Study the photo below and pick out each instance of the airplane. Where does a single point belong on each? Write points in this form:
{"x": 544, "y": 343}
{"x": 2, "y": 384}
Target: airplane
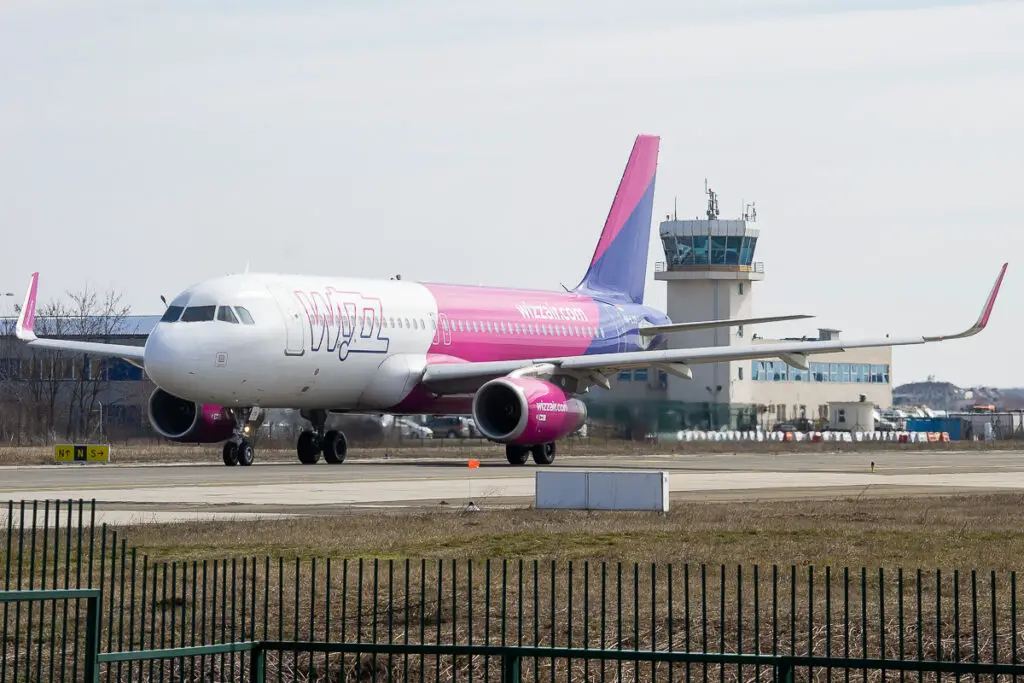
{"x": 228, "y": 348}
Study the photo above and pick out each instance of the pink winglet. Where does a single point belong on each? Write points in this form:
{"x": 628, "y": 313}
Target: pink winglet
{"x": 27, "y": 320}
{"x": 982, "y": 320}
{"x": 987, "y": 311}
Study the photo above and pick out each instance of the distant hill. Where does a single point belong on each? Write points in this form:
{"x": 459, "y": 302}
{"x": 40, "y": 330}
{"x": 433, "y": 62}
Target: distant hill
{"x": 948, "y": 396}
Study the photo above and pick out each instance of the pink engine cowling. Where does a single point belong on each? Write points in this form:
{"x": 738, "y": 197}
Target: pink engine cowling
{"x": 180, "y": 420}
{"x": 526, "y": 411}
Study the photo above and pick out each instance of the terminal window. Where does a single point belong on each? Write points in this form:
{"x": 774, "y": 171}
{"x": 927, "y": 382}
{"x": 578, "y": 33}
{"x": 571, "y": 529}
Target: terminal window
{"x": 778, "y": 371}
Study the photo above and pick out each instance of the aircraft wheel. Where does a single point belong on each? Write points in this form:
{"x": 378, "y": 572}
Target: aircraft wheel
{"x": 516, "y": 455}
{"x": 308, "y": 448}
{"x": 335, "y": 447}
{"x": 544, "y": 453}
{"x": 230, "y": 454}
{"x": 245, "y": 454}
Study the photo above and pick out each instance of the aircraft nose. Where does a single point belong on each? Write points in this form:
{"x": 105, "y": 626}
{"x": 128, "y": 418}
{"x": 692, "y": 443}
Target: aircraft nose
{"x": 170, "y": 360}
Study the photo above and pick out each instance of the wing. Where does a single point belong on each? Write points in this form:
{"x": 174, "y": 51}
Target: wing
{"x": 466, "y": 377}
{"x": 25, "y": 331}
{"x": 651, "y": 330}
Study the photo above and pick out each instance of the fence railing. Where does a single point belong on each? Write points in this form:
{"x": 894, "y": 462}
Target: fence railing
{"x": 433, "y": 619}
{"x": 782, "y": 668}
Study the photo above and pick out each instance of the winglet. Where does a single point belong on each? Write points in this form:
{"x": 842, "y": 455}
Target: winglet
{"x": 986, "y": 312}
{"x": 25, "y": 328}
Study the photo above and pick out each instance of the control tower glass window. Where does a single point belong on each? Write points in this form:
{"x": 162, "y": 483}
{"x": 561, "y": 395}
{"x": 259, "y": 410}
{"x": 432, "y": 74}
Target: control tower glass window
{"x": 704, "y": 250}
{"x": 747, "y": 250}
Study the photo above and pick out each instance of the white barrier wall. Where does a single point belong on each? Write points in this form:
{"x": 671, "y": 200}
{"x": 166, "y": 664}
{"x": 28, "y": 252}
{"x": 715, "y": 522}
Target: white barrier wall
{"x": 902, "y": 437}
{"x": 632, "y": 490}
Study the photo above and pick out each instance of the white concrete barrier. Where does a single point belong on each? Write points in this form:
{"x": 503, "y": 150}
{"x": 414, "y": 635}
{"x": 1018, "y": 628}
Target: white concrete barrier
{"x": 693, "y": 435}
{"x": 631, "y": 490}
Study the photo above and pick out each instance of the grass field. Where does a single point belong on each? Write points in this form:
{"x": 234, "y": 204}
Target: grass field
{"x": 978, "y": 531}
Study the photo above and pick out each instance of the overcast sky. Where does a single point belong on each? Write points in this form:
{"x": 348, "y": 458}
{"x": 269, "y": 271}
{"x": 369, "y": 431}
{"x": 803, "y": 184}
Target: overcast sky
{"x": 148, "y": 146}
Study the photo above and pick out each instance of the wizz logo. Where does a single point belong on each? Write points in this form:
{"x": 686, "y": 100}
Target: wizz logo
{"x": 344, "y": 322}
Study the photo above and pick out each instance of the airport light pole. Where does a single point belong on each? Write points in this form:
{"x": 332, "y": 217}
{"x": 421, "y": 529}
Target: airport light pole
{"x": 3, "y": 298}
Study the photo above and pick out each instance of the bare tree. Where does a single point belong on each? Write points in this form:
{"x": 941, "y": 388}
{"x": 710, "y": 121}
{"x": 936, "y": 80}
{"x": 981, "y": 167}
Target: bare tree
{"x": 98, "y": 320}
{"x": 44, "y": 373}
{"x": 58, "y": 391}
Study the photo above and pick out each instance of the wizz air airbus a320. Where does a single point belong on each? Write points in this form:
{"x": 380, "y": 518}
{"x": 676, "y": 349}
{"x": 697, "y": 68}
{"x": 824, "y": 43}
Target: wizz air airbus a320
{"x": 231, "y": 347}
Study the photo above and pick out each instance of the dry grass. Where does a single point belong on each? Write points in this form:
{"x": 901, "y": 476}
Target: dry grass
{"x": 621, "y": 562}
{"x": 985, "y": 531}
{"x": 473, "y": 448}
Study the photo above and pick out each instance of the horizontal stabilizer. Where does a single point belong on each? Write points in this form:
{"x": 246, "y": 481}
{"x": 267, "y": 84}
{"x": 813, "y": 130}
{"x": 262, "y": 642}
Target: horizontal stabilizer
{"x": 652, "y": 330}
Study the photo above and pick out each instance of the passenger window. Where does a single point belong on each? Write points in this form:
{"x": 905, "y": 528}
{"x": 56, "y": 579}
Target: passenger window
{"x": 243, "y": 313}
{"x": 226, "y": 315}
{"x": 198, "y": 314}
{"x": 172, "y": 314}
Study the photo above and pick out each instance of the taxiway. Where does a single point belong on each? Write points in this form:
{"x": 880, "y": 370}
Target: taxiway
{"x": 155, "y": 492}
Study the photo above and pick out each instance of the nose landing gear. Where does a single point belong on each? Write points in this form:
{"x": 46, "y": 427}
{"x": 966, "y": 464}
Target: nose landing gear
{"x": 239, "y": 453}
{"x": 312, "y": 443}
{"x": 238, "y": 450}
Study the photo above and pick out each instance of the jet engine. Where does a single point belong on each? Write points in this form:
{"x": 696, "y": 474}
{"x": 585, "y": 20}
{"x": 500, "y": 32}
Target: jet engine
{"x": 524, "y": 411}
{"x": 188, "y": 422}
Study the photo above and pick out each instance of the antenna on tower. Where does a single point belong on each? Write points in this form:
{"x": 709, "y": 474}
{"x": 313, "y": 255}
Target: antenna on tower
{"x": 675, "y": 208}
{"x": 712, "y": 201}
{"x": 750, "y": 212}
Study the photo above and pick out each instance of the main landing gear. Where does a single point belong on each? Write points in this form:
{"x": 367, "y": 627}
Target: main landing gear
{"x": 543, "y": 453}
{"x": 312, "y": 443}
{"x": 238, "y": 450}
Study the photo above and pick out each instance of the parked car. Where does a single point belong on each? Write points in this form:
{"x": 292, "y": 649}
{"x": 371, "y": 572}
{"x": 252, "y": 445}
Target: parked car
{"x": 413, "y": 430}
{"x": 452, "y": 427}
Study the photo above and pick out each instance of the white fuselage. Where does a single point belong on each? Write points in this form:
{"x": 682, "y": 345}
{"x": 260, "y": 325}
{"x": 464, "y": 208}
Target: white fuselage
{"x": 347, "y": 350}
{"x": 300, "y": 341}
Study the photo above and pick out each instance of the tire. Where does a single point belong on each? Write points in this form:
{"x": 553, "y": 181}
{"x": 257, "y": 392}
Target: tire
{"x": 516, "y": 455}
{"x": 335, "y": 447}
{"x": 230, "y": 454}
{"x": 308, "y": 449}
{"x": 245, "y": 454}
{"x": 543, "y": 453}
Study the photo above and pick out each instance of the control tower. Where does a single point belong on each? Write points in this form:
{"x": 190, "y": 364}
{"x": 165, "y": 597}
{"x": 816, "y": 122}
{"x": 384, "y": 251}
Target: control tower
{"x": 709, "y": 271}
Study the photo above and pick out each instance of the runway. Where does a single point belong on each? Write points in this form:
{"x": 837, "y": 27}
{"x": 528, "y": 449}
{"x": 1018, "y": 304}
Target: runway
{"x": 158, "y": 493}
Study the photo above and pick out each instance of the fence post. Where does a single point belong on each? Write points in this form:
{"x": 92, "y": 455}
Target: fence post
{"x": 91, "y": 666}
{"x": 257, "y": 664}
{"x": 510, "y": 666}
{"x": 784, "y": 670}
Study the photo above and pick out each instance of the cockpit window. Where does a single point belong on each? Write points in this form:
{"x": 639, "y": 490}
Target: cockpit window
{"x": 198, "y": 314}
{"x": 226, "y": 315}
{"x": 172, "y": 314}
{"x": 243, "y": 313}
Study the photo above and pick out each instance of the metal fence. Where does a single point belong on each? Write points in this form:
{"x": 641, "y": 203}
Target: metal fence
{"x": 132, "y": 616}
